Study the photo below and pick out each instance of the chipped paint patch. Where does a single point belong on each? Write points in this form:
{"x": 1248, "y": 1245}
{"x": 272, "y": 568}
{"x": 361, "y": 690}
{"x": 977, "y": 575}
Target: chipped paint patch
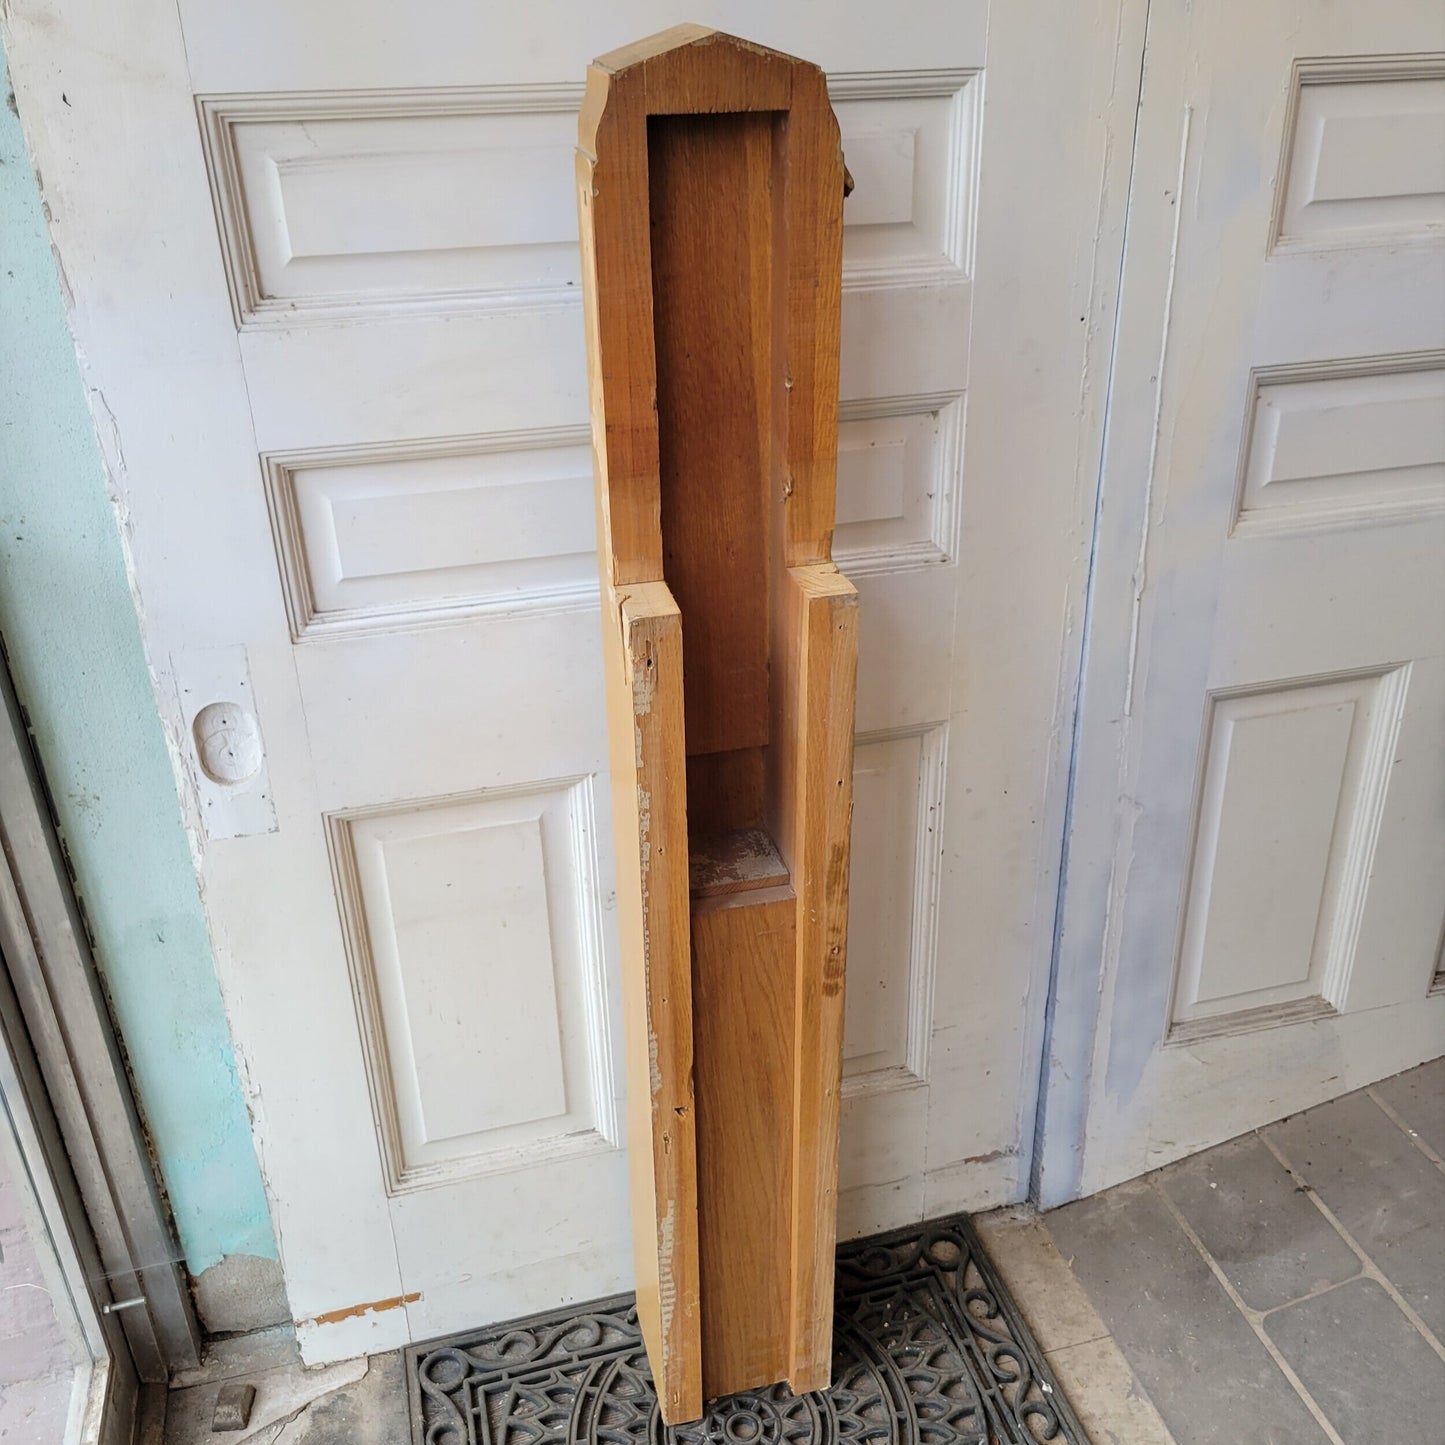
{"x": 351, "y": 1312}
{"x": 666, "y": 1275}
{"x": 991, "y": 1157}
{"x": 644, "y": 685}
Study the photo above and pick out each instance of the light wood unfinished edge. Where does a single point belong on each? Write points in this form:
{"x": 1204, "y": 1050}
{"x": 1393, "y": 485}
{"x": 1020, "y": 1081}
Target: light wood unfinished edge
{"x": 645, "y": 732}
{"x": 818, "y": 734}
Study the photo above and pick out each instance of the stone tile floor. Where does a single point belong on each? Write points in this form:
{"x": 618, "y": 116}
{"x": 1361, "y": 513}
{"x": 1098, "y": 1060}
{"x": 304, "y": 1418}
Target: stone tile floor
{"x": 1286, "y": 1288}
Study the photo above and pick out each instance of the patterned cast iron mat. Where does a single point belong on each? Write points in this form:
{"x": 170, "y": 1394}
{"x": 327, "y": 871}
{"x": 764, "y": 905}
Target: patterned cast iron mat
{"x": 928, "y": 1350}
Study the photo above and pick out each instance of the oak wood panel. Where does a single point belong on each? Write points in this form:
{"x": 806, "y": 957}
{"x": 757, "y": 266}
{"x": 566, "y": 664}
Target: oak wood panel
{"x": 725, "y": 791}
{"x": 744, "y": 949}
{"x": 712, "y": 183}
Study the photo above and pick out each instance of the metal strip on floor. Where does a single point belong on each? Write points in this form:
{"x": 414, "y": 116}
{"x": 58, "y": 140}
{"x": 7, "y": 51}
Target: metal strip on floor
{"x": 929, "y": 1349}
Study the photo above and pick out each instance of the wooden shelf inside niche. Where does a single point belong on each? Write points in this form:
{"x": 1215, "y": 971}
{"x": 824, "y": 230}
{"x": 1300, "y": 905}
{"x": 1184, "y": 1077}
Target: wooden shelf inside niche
{"x": 738, "y": 861}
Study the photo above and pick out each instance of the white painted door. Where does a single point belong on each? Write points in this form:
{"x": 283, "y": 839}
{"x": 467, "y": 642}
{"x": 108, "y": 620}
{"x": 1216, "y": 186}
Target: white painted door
{"x": 322, "y": 259}
{"x": 1256, "y": 864}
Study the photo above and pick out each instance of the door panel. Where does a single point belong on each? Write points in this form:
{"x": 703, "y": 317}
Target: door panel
{"x": 1261, "y": 781}
{"x": 447, "y": 905}
{"x": 324, "y": 276}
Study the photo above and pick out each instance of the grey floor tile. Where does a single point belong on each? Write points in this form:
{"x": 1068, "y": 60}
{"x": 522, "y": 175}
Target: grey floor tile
{"x": 1107, "y": 1396}
{"x": 1366, "y": 1365}
{"x": 1418, "y": 1097}
{"x": 1381, "y": 1188}
{"x": 1044, "y": 1287}
{"x": 1208, "y": 1374}
{"x": 1266, "y": 1234}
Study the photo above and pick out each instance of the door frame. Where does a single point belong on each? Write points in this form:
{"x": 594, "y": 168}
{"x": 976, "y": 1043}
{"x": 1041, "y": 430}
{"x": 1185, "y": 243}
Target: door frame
{"x": 1105, "y": 40}
{"x": 1099, "y": 816}
{"x": 76, "y": 1096}
{"x": 1096, "y": 670}
{"x": 34, "y": 1153}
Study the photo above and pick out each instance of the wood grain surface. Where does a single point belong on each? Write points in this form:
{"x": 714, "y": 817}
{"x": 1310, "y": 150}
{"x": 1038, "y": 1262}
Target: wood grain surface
{"x": 710, "y": 185}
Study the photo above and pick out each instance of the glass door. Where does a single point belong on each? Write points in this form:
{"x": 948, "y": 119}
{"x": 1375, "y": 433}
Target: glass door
{"x": 66, "y": 1375}
{"x": 94, "y": 1310}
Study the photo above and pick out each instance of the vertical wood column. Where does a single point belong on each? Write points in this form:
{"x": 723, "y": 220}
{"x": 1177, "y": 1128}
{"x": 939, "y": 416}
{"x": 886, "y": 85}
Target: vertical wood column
{"x": 710, "y": 186}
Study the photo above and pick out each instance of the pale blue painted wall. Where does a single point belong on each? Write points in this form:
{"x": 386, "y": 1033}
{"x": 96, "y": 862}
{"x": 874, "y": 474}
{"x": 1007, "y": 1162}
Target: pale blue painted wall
{"x": 70, "y": 627}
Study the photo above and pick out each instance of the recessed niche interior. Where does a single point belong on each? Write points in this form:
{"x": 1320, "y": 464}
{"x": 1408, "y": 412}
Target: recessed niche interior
{"x": 713, "y": 182}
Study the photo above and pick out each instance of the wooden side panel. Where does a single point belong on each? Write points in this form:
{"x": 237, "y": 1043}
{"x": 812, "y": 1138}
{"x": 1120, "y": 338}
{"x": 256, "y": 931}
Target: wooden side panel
{"x": 617, "y": 303}
{"x": 813, "y": 230}
{"x": 817, "y": 737}
{"x": 743, "y": 997}
{"x": 643, "y": 631}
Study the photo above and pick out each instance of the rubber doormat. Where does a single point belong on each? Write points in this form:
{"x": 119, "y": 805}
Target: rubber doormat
{"x": 928, "y": 1350}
